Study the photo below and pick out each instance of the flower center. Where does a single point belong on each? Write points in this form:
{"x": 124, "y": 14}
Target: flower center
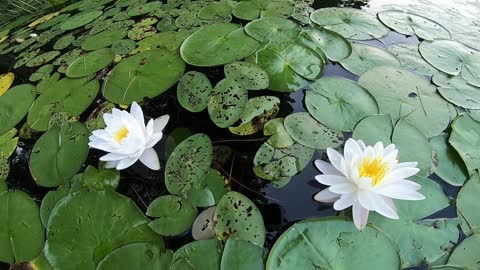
{"x": 120, "y": 134}
{"x": 375, "y": 169}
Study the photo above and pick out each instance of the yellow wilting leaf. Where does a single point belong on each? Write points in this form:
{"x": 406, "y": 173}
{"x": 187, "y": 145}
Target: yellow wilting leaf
{"x": 43, "y": 19}
{"x": 6, "y": 81}
{"x": 2, "y": 39}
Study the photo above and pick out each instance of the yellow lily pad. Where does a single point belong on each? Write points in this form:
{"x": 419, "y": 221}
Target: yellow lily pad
{"x": 6, "y": 81}
{"x": 43, "y": 19}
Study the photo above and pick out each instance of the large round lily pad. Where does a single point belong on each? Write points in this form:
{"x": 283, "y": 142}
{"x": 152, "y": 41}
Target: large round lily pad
{"x": 217, "y": 44}
{"x": 59, "y": 154}
{"x": 467, "y": 254}
{"x": 229, "y": 98}
{"x": 21, "y": 232}
{"x": 339, "y": 103}
{"x": 465, "y": 138}
{"x": 332, "y": 243}
{"x": 373, "y": 129}
{"x": 194, "y": 91}
{"x": 457, "y": 91}
{"x": 80, "y": 20}
{"x": 273, "y": 29}
{"x": 174, "y": 215}
{"x": 237, "y": 217}
{"x": 197, "y": 255}
{"x": 467, "y": 206}
{"x": 188, "y": 164}
{"x": 242, "y": 255}
{"x": 334, "y": 45}
{"x": 90, "y": 63}
{"x": 102, "y": 40}
{"x": 143, "y": 256}
{"x": 350, "y": 23}
{"x": 406, "y": 95}
{"x": 365, "y": 57}
{"x": 251, "y": 10}
{"x": 450, "y": 167}
{"x": 146, "y": 74}
{"x": 410, "y": 58}
{"x": 14, "y": 105}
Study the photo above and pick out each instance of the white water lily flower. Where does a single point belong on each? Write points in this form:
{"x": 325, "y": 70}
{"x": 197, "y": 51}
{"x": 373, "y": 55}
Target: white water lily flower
{"x": 367, "y": 178}
{"x": 128, "y": 140}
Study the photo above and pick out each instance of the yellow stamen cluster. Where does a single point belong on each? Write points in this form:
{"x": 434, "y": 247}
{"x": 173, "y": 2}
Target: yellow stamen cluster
{"x": 121, "y": 134}
{"x": 375, "y": 169}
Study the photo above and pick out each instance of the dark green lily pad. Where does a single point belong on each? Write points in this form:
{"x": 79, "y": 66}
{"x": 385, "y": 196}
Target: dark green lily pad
{"x": 258, "y": 111}
{"x": 22, "y": 236}
{"x": 53, "y": 21}
{"x": 229, "y": 99}
{"x": 14, "y": 105}
{"x": 173, "y": 215}
{"x": 467, "y": 203}
{"x": 322, "y": 40}
{"x": 145, "y": 8}
{"x": 350, "y": 23}
{"x": 50, "y": 201}
{"x": 63, "y": 42}
{"x": 237, "y": 217}
{"x": 215, "y": 11}
{"x": 217, "y": 44}
{"x": 80, "y": 20}
{"x": 102, "y": 40}
{"x": 451, "y": 167}
{"x": 365, "y": 57}
{"x": 143, "y": 256}
{"x": 273, "y": 29}
{"x": 194, "y": 91}
{"x": 4, "y": 171}
{"x": 332, "y": 243}
{"x": 307, "y": 131}
{"x": 339, "y": 103}
{"x": 124, "y": 46}
{"x": 197, "y": 255}
{"x": 410, "y": 58}
{"x": 42, "y": 59}
{"x": 166, "y": 40}
{"x": 91, "y": 63}
{"x": 146, "y": 74}
{"x": 188, "y": 164}
{"x": 457, "y": 91}
{"x": 465, "y": 138}
{"x": 8, "y": 143}
{"x": 41, "y": 73}
{"x": 210, "y": 190}
{"x": 101, "y": 178}
{"x": 242, "y": 255}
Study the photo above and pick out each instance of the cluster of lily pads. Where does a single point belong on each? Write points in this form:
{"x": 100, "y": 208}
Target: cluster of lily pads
{"x": 424, "y": 98}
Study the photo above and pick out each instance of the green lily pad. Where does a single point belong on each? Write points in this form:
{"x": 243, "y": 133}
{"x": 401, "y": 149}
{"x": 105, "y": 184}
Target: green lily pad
{"x": 453, "y": 58}
{"x": 365, "y": 57}
{"x": 63, "y": 42}
{"x": 41, "y": 73}
{"x": 50, "y": 201}
{"x": 143, "y": 256}
{"x": 141, "y": 32}
{"x": 103, "y": 40}
{"x": 248, "y": 74}
{"x": 54, "y": 21}
{"x": 141, "y": 9}
{"x": 25, "y": 58}
{"x": 80, "y": 20}
{"x": 166, "y": 24}
{"x": 467, "y": 202}
{"x": 451, "y": 167}
{"x": 166, "y": 40}
{"x": 413, "y": 146}
{"x": 14, "y": 105}
{"x": 194, "y": 91}
{"x": 4, "y": 187}
{"x": 214, "y": 11}
{"x": 339, "y": 103}
{"x": 42, "y": 59}
{"x": 101, "y": 178}
{"x": 124, "y": 46}
{"x": 146, "y": 22}
{"x": 410, "y": 58}
{"x": 406, "y": 95}
{"x": 411, "y": 24}
{"x": 279, "y": 137}
{"x": 350, "y": 23}
{"x": 322, "y": 40}
{"x": 22, "y": 236}
{"x": 209, "y": 191}
{"x": 91, "y": 63}
{"x": 79, "y": 223}
{"x": 8, "y": 144}
{"x": 229, "y": 99}
{"x": 174, "y": 215}
{"x": 146, "y": 74}
{"x": 465, "y": 138}
{"x": 188, "y": 164}
{"x": 273, "y": 29}
{"x": 4, "y": 170}
{"x": 307, "y": 131}
{"x": 373, "y": 129}
{"x": 217, "y": 44}
{"x": 59, "y": 154}
{"x": 332, "y": 243}
{"x": 420, "y": 241}
{"x": 457, "y": 91}
{"x": 258, "y": 111}
{"x": 237, "y": 217}
{"x": 466, "y": 255}
{"x": 197, "y": 255}
{"x": 242, "y": 255}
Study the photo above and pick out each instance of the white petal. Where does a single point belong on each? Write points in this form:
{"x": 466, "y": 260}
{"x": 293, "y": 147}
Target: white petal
{"x": 125, "y": 163}
{"x": 387, "y": 209}
{"x": 401, "y": 173}
{"x": 360, "y": 216}
{"x": 369, "y": 199}
{"x": 343, "y": 188}
{"x": 335, "y": 158}
{"x": 400, "y": 192}
{"x": 150, "y": 159}
{"x": 107, "y": 147}
{"x": 111, "y": 164}
{"x": 352, "y": 150}
{"x": 112, "y": 157}
{"x": 378, "y": 149}
{"x": 331, "y": 179}
{"x": 153, "y": 140}
{"x": 149, "y": 129}
{"x": 406, "y": 164}
{"x": 361, "y": 144}
{"x": 102, "y": 134}
{"x": 326, "y": 196}
{"x": 136, "y": 111}
{"x": 345, "y": 201}
{"x": 160, "y": 123}
{"x": 326, "y": 168}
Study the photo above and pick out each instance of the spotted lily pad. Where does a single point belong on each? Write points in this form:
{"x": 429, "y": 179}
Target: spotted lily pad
{"x": 203, "y": 227}
{"x": 194, "y": 91}
{"x": 63, "y": 42}
{"x": 4, "y": 171}
{"x": 146, "y": 74}
{"x": 188, "y": 164}
{"x": 173, "y": 215}
{"x": 350, "y": 23}
{"x": 42, "y": 59}
{"x": 467, "y": 206}
{"x": 229, "y": 99}
{"x": 14, "y": 105}
{"x": 248, "y": 74}
{"x": 80, "y": 20}
{"x": 339, "y": 103}
{"x": 365, "y": 57}
{"x": 258, "y": 111}
{"x": 102, "y": 40}
{"x": 279, "y": 137}
{"x": 322, "y": 40}
{"x": 209, "y": 191}
{"x": 91, "y": 63}
{"x": 237, "y": 217}
{"x": 141, "y": 32}
{"x": 457, "y": 91}
{"x": 215, "y": 10}
{"x": 410, "y": 58}
{"x": 144, "y": 256}
{"x": 124, "y": 46}
{"x": 465, "y": 138}
{"x": 197, "y": 255}
{"x": 273, "y": 29}
{"x": 101, "y": 178}
{"x": 145, "y": 8}
{"x": 217, "y": 44}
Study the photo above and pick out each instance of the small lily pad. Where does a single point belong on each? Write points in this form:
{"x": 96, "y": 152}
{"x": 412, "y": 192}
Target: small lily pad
{"x": 279, "y": 137}
{"x": 101, "y": 178}
{"x": 124, "y": 46}
{"x": 197, "y": 255}
{"x": 90, "y": 63}
{"x": 173, "y": 215}
{"x": 8, "y": 143}
{"x": 251, "y": 10}
{"x": 194, "y": 91}
{"x": 332, "y": 44}
{"x": 248, "y": 74}
{"x": 102, "y": 40}
{"x": 80, "y": 20}
{"x": 141, "y": 32}
{"x": 50, "y": 201}
{"x": 373, "y": 129}
{"x": 451, "y": 167}
{"x": 229, "y": 99}
{"x": 14, "y": 105}
{"x": 42, "y": 59}
{"x": 6, "y": 81}
{"x": 365, "y": 57}
{"x": 63, "y": 42}
{"x": 203, "y": 227}
{"x": 41, "y": 73}
{"x": 466, "y": 255}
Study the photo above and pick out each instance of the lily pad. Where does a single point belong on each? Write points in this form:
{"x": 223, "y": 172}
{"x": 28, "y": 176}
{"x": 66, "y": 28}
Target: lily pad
{"x": 215, "y": 10}
{"x": 197, "y": 255}
{"x": 406, "y": 95}
{"x": 22, "y": 236}
{"x": 241, "y": 255}
{"x": 229, "y": 99}
{"x": 41, "y": 73}
{"x": 279, "y": 137}
{"x": 8, "y": 144}
{"x": 237, "y": 217}
{"x": 217, "y": 44}
{"x": 339, "y": 103}
{"x": 80, "y": 20}
{"x": 146, "y": 74}
{"x": 332, "y": 243}
{"x": 101, "y": 178}
{"x": 457, "y": 91}
{"x": 103, "y": 40}
{"x": 63, "y": 42}
{"x": 465, "y": 138}
{"x": 453, "y": 58}
{"x": 350, "y": 23}
{"x": 273, "y": 29}
{"x": 6, "y": 81}
{"x": 203, "y": 227}
{"x": 14, "y": 105}
{"x": 194, "y": 91}
{"x": 251, "y": 10}
{"x": 188, "y": 164}
{"x": 90, "y": 63}
{"x": 42, "y": 59}
{"x": 258, "y": 111}
{"x": 451, "y": 167}
{"x": 332, "y": 44}
{"x": 4, "y": 171}
{"x": 174, "y": 215}
{"x": 308, "y": 132}
{"x": 410, "y": 58}
{"x": 365, "y": 57}
{"x": 50, "y": 201}
{"x": 143, "y": 256}
{"x": 209, "y": 191}
{"x": 124, "y": 46}
{"x": 467, "y": 202}
{"x": 373, "y": 129}
{"x": 166, "y": 40}
{"x": 466, "y": 255}
{"x": 411, "y": 24}
{"x": 248, "y": 74}
{"x": 141, "y": 32}
{"x": 140, "y": 9}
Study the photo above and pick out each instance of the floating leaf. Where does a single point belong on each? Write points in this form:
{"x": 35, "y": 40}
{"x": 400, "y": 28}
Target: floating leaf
{"x": 203, "y": 227}
{"x": 209, "y": 191}
{"x": 410, "y": 58}
{"x": 14, "y": 105}
{"x": 63, "y": 42}
{"x": 124, "y": 46}
{"x": 451, "y": 167}
{"x": 237, "y": 217}
{"x": 80, "y": 20}
{"x": 248, "y": 74}
{"x": 339, "y": 103}
{"x": 143, "y": 256}
{"x": 197, "y": 255}
{"x": 457, "y": 91}
{"x": 465, "y": 138}
{"x": 174, "y": 215}
{"x": 251, "y": 10}
{"x": 258, "y": 111}
{"x": 41, "y": 73}
{"x": 322, "y": 40}
{"x": 146, "y": 74}
{"x": 22, "y": 236}
{"x": 90, "y": 63}
{"x": 373, "y": 129}
{"x": 467, "y": 203}
{"x": 332, "y": 243}
{"x": 4, "y": 171}
{"x": 6, "y": 81}
{"x": 50, "y": 201}
{"x": 101, "y": 178}
{"x": 145, "y": 8}
{"x": 8, "y": 144}
{"x": 188, "y": 164}
{"x": 42, "y": 59}
{"x": 141, "y": 32}
{"x": 241, "y": 255}
{"x": 273, "y": 29}
{"x": 194, "y": 91}
{"x": 279, "y": 137}
{"x": 166, "y": 40}
{"x": 229, "y": 99}
{"x": 215, "y": 10}
{"x": 466, "y": 255}
{"x": 102, "y": 40}
{"x": 365, "y": 57}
